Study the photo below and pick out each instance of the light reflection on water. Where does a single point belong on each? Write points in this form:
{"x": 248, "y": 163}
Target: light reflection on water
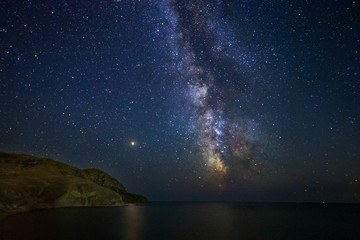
{"x": 135, "y": 221}
{"x": 177, "y": 221}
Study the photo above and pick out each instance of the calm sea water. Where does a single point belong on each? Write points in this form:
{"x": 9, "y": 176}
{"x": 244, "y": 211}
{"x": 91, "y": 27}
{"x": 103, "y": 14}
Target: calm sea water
{"x": 188, "y": 221}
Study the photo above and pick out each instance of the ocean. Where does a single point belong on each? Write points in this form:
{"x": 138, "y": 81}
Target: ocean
{"x": 188, "y": 220}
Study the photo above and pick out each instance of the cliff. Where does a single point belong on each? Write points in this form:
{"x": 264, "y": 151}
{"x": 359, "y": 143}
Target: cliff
{"x": 28, "y": 183}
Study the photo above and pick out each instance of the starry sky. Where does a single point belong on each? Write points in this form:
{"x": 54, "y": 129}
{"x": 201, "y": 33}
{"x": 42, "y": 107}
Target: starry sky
{"x": 189, "y": 100}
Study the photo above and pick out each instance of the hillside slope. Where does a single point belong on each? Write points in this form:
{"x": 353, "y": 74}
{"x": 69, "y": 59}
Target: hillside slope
{"x": 28, "y": 183}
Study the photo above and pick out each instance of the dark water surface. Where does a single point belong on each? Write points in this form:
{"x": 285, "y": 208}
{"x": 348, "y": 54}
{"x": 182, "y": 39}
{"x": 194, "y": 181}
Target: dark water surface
{"x": 188, "y": 221}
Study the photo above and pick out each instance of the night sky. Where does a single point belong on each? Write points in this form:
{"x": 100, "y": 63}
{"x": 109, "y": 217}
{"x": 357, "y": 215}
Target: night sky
{"x": 189, "y": 100}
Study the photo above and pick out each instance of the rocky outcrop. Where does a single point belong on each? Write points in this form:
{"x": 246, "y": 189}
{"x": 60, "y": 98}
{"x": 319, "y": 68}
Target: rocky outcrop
{"x": 28, "y": 183}
{"x": 105, "y": 180}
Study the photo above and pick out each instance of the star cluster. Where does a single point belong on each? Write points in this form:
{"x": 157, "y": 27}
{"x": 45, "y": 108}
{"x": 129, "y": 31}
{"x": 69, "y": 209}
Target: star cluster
{"x": 188, "y": 100}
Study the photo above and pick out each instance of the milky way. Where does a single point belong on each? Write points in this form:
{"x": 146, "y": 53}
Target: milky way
{"x": 198, "y": 55}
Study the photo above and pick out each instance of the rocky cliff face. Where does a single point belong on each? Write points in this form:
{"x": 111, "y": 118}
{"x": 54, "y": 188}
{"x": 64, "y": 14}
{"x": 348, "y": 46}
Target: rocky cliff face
{"x": 28, "y": 183}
